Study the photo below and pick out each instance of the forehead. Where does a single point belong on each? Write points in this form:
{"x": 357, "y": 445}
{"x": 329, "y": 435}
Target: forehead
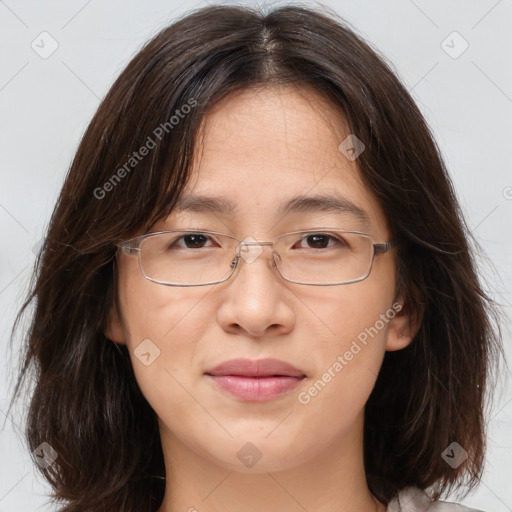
{"x": 273, "y": 152}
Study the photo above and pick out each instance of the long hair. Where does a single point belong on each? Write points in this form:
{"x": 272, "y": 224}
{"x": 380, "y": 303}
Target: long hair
{"x": 86, "y": 403}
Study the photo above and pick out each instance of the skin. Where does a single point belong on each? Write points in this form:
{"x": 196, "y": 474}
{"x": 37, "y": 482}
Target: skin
{"x": 260, "y": 148}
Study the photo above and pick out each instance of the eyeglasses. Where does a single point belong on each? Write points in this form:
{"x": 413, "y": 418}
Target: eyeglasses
{"x": 321, "y": 257}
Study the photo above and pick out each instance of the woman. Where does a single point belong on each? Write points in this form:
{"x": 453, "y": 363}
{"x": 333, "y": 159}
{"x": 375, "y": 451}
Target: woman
{"x": 256, "y": 291}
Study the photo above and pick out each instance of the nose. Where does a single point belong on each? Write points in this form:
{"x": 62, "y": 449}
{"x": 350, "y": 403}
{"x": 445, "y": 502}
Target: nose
{"x": 256, "y": 300}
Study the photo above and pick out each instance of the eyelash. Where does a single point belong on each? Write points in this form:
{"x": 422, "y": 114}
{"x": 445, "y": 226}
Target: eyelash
{"x": 336, "y": 239}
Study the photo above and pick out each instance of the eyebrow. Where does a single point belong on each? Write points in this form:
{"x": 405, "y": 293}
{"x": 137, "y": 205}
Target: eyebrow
{"x": 299, "y": 204}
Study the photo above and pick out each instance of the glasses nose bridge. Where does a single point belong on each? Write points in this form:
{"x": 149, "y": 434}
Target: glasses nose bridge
{"x": 254, "y": 243}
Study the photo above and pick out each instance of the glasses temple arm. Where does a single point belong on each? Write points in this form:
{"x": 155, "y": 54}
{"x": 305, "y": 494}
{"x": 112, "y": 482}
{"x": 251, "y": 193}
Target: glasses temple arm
{"x": 385, "y": 247}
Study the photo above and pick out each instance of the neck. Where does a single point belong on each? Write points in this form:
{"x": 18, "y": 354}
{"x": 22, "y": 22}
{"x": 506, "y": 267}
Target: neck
{"x": 333, "y": 480}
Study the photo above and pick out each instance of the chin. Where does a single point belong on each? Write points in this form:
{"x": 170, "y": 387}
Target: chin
{"x": 253, "y": 454}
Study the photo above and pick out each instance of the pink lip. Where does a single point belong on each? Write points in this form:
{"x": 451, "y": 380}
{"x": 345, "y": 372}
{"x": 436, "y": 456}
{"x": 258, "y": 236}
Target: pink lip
{"x": 256, "y": 380}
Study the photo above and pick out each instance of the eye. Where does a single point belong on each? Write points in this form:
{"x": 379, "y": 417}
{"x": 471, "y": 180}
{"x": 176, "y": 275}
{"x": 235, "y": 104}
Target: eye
{"x": 191, "y": 241}
{"x": 321, "y": 241}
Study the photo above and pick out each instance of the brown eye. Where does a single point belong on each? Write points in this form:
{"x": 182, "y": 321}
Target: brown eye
{"x": 320, "y": 241}
{"x": 189, "y": 241}
{"x": 193, "y": 241}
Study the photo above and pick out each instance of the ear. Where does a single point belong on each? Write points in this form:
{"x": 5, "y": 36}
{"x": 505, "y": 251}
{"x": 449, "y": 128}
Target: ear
{"x": 406, "y": 323}
{"x": 114, "y": 330}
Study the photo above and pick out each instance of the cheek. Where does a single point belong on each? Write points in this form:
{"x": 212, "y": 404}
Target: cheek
{"x": 355, "y": 320}
{"x": 164, "y": 326}
{"x": 341, "y": 314}
{"x": 158, "y": 312}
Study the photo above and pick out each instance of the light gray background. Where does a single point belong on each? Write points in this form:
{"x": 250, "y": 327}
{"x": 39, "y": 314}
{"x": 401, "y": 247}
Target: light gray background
{"x": 46, "y": 104}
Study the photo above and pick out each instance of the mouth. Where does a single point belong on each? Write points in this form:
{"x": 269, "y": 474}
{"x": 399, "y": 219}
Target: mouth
{"x": 255, "y": 380}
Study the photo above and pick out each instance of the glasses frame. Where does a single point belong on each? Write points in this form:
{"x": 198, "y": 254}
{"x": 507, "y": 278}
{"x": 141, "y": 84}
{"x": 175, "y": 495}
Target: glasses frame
{"x": 132, "y": 246}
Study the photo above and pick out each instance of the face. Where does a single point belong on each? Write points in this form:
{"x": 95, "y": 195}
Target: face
{"x": 259, "y": 150}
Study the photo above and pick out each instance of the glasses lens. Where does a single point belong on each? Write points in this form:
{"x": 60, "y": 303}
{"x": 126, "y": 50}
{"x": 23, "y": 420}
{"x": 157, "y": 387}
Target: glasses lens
{"x": 330, "y": 257}
{"x": 186, "y": 258}
{"x": 309, "y": 257}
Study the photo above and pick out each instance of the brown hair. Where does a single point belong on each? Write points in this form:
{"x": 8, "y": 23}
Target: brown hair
{"x": 86, "y": 403}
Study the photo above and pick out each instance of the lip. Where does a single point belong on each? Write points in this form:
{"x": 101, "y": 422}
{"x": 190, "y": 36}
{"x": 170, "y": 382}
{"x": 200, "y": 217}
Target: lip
{"x": 256, "y": 380}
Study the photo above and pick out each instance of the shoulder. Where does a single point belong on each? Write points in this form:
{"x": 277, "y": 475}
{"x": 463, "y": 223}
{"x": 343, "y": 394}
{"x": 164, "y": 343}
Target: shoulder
{"x": 413, "y": 499}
